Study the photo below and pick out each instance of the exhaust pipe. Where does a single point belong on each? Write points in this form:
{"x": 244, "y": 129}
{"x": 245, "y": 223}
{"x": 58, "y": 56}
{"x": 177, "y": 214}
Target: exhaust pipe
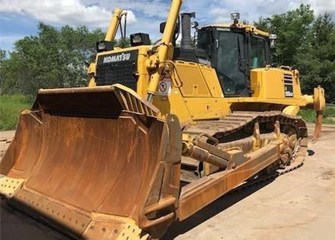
{"x": 186, "y": 30}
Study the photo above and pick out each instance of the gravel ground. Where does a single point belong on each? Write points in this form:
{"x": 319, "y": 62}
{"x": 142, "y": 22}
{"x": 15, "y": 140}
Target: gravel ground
{"x": 298, "y": 205}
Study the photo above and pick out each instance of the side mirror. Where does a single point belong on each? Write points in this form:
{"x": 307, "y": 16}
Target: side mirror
{"x": 162, "y": 27}
{"x": 195, "y": 25}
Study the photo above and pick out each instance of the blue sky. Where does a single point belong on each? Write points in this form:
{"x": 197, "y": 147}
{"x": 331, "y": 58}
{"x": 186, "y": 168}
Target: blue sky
{"x": 19, "y": 18}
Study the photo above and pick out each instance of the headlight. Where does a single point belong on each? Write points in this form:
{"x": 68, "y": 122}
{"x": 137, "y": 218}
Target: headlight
{"x": 138, "y": 39}
{"x": 103, "y": 46}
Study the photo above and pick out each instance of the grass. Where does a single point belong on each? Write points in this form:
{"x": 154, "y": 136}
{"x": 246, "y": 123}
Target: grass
{"x": 10, "y": 108}
{"x": 328, "y": 115}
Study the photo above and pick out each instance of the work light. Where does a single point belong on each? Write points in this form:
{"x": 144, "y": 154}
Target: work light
{"x": 138, "y": 39}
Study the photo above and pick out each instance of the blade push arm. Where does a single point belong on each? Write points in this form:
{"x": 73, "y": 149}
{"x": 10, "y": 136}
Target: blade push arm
{"x": 114, "y": 24}
{"x": 157, "y": 61}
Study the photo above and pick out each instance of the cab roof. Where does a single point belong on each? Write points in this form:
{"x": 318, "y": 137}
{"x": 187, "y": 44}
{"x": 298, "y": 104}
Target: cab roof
{"x": 246, "y": 27}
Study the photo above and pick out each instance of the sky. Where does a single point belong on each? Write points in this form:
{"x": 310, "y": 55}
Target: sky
{"x": 19, "y": 18}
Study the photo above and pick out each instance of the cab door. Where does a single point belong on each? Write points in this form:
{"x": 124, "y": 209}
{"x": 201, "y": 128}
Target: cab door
{"x": 232, "y": 62}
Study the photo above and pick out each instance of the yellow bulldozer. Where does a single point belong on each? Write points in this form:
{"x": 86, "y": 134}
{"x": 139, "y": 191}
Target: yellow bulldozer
{"x": 161, "y": 131}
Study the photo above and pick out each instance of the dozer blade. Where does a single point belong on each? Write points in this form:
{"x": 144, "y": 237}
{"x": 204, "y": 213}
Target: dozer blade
{"x": 95, "y": 163}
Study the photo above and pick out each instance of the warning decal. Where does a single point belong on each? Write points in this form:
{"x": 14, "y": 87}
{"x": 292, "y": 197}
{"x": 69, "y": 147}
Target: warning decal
{"x": 164, "y": 87}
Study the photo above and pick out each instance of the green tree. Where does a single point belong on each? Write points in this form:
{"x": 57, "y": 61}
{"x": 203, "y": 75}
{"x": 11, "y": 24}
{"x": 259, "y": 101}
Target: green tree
{"x": 122, "y": 43}
{"x": 293, "y": 33}
{"x": 307, "y": 44}
{"x": 2, "y": 59}
{"x": 317, "y": 63}
{"x": 52, "y": 59}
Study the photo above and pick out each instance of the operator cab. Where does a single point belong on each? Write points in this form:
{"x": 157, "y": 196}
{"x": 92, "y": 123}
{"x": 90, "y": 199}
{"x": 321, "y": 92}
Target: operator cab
{"x": 233, "y": 51}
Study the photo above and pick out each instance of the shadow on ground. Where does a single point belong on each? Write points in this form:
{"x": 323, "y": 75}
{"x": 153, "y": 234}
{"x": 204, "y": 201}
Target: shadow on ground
{"x": 15, "y": 225}
{"x": 211, "y": 210}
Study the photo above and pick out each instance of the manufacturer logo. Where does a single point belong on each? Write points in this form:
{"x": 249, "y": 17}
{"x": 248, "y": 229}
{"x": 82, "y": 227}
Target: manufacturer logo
{"x": 117, "y": 58}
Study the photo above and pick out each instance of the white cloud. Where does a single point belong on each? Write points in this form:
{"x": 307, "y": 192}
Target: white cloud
{"x": 72, "y": 12}
{"x": 219, "y": 11}
{"x": 147, "y": 8}
{"x": 10, "y": 38}
{"x": 7, "y": 42}
{"x": 145, "y": 15}
{"x": 96, "y": 13}
{"x": 321, "y": 6}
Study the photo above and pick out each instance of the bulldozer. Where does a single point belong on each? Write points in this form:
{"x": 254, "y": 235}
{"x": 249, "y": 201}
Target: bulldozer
{"x": 160, "y": 132}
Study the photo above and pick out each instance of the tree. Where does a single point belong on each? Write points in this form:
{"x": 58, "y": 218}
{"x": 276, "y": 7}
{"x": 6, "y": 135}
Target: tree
{"x": 317, "y": 64}
{"x": 293, "y": 33}
{"x": 52, "y": 59}
{"x": 122, "y": 43}
{"x": 2, "y": 59}
{"x": 307, "y": 44}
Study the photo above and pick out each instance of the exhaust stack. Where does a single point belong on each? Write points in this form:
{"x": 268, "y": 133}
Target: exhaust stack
{"x": 186, "y": 30}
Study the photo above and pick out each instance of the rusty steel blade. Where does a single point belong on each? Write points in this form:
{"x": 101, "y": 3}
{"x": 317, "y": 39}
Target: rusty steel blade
{"x": 86, "y": 161}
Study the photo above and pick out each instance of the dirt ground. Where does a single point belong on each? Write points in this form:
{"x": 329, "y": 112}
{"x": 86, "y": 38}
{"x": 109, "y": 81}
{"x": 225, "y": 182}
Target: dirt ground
{"x": 297, "y": 205}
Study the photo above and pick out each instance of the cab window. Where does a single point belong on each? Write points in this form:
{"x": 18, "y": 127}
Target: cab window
{"x": 204, "y": 41}
{"x": 258, "y": 52}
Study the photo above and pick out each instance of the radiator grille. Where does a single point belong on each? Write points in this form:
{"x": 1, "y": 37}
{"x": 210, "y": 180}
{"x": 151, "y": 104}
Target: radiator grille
{"x": 288, "y": 85}
{"x": 117, "y": 68}
{"x": 288, "y": 79}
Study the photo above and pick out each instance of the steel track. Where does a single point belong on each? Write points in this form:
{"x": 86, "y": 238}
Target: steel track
{"x": 236, "y": 122}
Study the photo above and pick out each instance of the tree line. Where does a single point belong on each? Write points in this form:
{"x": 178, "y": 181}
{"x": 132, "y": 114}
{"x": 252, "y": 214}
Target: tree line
{"x": 305, "y": 42}
{"x": 51, "y": 59}
{"x": 54, "y": 58}
{"x": 58, "y": 57}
